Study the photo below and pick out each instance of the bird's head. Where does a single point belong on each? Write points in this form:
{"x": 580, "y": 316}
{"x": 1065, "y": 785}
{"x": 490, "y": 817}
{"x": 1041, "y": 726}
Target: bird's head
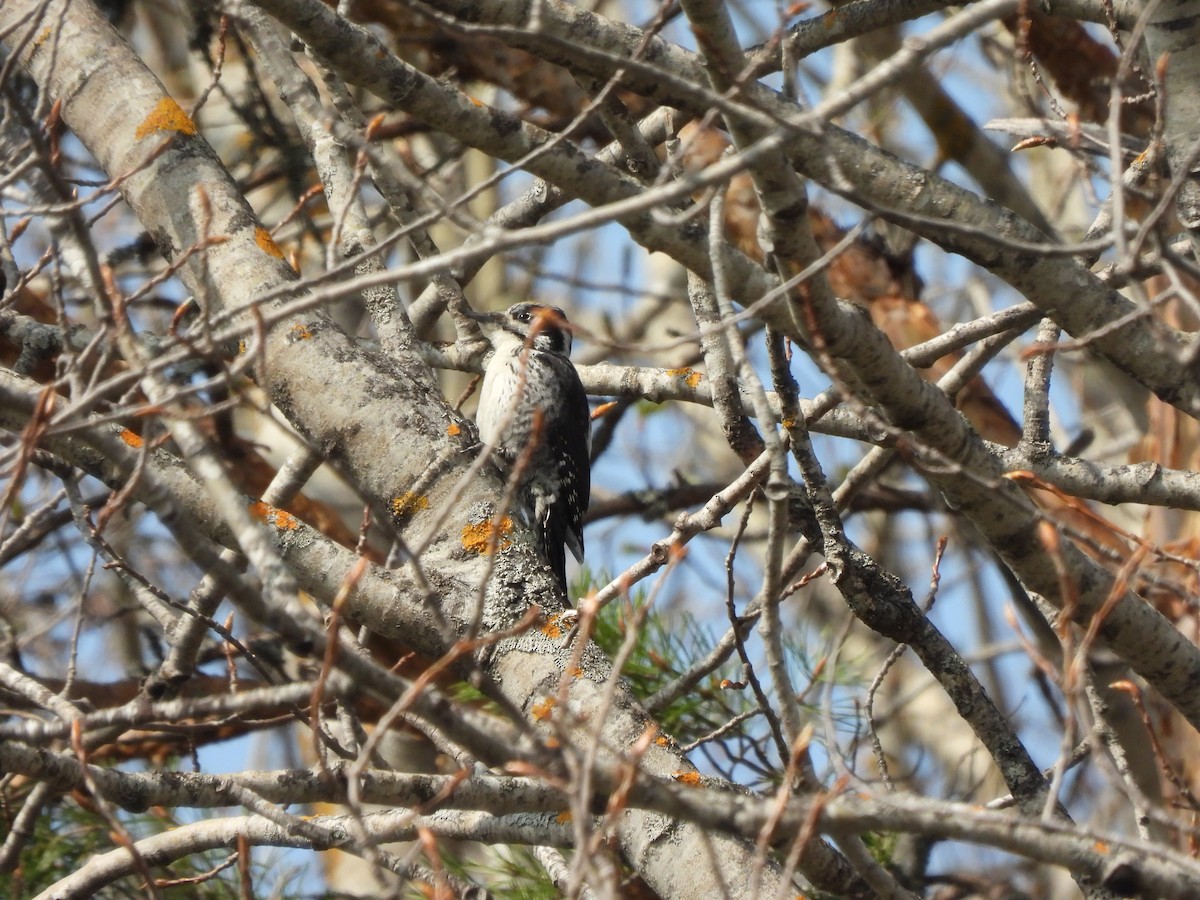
{"x": 545, "y": 328}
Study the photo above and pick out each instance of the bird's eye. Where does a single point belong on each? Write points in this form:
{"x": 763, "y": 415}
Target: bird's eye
{"x": 523, "y": 316}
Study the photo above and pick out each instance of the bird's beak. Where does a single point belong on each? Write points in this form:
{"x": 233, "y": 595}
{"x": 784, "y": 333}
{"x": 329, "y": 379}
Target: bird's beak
{"x": 487, "y": 320}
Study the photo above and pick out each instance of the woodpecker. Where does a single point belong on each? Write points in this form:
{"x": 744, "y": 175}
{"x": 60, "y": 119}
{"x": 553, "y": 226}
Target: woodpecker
{"x": 533, "y": 411}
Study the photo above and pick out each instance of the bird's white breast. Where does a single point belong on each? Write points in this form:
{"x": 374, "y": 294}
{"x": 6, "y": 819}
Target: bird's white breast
{"x": 498, "y": 396}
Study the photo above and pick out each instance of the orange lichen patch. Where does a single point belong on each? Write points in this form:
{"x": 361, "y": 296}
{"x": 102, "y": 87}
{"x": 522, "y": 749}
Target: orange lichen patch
{"x": 43, "y": 36}
{"x": 663, "y": 741}
{"x": 478, "y": 536}
{"x": 281, "y": 519}
{"x": 691, "y": 779}
{"x": 689, "y": 375}
{"x": 563, "y": 818}
{"x": 789, "y": 423}
{"x": 453, "y": 430}
{"x": 576, "y": 672}
{"x": 167, "y": 115}
{"x": 552, "y": 627}
{"x": 543, "y": 709}
{"x": 1100, "y": 847}
{"x": 133, "y": 440}
{"x": 300, "y": 333}
{"x": 409, "y": 503}
{"x": 266, "y": 243}
{"x": 475, "y": 102}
